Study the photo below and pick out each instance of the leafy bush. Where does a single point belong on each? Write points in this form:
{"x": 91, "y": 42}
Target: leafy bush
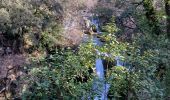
{"x": 64, "y": 75}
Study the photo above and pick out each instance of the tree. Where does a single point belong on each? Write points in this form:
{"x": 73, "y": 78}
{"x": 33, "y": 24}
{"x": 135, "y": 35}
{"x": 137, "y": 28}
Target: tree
{"x": 30, "y": 18}
{"x": 151, "y": 16}
{"x": 67, "y": 73}
{"x": 63, "y": 75}
{"x": 167, "y": 10}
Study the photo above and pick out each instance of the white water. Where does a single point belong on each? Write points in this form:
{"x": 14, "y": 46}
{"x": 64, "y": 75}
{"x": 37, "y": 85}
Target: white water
{"x": 99, "y": 69}
{"x": 119, "y": 62}
{"x": 96, "y": 23}
{"x": 100, "y": 86}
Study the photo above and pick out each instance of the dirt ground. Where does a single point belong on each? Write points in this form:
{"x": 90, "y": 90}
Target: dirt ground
{"x": 11, "y": 69}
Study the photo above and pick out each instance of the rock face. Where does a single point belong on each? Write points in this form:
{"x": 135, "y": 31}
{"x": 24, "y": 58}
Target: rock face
{"x": 87, "y": 23}
{"x": 72, "y": 37}
{"x": 89, "y": 28}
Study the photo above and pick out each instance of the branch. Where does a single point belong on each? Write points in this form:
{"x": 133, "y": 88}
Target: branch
{"x": 2, "y": 90}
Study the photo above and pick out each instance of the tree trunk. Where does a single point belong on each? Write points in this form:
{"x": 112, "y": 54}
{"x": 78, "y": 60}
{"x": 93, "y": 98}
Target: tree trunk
{"x": 151, "y": 16}
{"x": 167, "y": 9}
{"x": 167, "y": 80}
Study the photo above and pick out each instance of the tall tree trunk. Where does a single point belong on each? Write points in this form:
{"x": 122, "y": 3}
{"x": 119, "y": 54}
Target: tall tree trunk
{"x": 167, "y": 9}
{"x": 151, "y": 16}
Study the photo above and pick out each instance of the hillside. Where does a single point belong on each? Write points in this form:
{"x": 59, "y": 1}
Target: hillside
{"x": 84, "y": 49}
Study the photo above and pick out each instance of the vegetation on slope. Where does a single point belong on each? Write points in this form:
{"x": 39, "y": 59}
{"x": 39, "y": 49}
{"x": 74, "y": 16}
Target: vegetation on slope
{"x": 58, "y": 65}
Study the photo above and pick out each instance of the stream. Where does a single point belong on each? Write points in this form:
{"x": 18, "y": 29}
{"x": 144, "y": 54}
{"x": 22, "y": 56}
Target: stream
{"x": 101, "y": 87}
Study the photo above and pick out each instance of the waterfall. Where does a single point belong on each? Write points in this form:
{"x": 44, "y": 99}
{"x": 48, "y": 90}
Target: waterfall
{"x": 100, "y": 86}
{"x": 99, "y": 69}
{"x": 118, "y": 61}
{"x": 96, "y": 23}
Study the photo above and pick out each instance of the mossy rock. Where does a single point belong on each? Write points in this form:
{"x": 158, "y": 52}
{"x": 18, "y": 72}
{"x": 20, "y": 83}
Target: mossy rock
{"x": 89, "y": 32}
{"x": 102, "y": 39}
{"x": 98, "y": 36}
{"x": 94, "y": 28}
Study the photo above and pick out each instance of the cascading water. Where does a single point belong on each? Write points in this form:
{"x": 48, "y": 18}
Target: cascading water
{"x": 118, "y": 61}
{"x": 101, "y": 87}
{"x": 95, "y": 21}
{"x": 99, "y": 69}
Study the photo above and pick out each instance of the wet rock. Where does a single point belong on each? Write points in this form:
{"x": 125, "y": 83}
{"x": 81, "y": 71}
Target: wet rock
{"x": 87, "y": 23}
{"x": 102, "y": 40}
{"x": 98, "y": 36}
{"x": 89, "y": 32}
{"x": 94, "y": 28}
{"x": 86, "y": 32}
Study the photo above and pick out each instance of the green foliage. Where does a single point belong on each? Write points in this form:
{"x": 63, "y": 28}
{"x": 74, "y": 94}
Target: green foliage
{"x": 51, "y": 37}
{"x": 16, "y": 15}
{"x": 65, "y": 73}
{"x": 103, "y": 12}
{"x": 58, "y": 73}
{"x": 61, "y": 76}
{"x": 138, "y": 74}
{"x": 110, "y": 27}
{"x": 23, "y": 17}
{"x": 151, "y": 16}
